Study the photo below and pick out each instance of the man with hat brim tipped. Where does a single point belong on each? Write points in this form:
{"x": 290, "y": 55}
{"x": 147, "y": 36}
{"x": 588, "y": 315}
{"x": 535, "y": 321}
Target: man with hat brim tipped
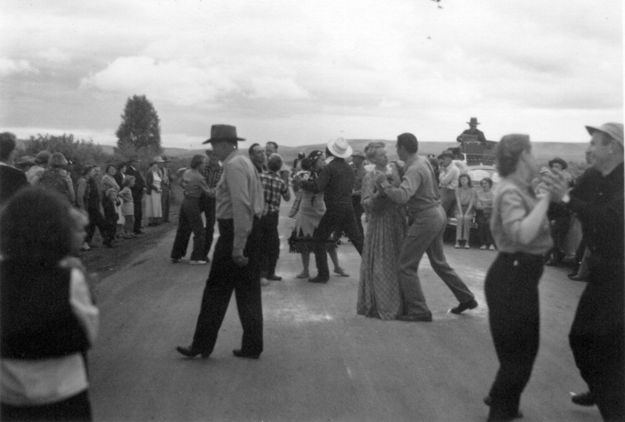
{"x": 57, "y": 177}
{"x": 597, "y": 335}
{"x": 336, "y": 181}
{"x": 236, "y": 263}
{"x": 427, "y": 220}
{"x": 473, "y": 133}
{"x": 138, "y": 190}
{"x": 358, "y": 164}
{"x": 41, "y": 164}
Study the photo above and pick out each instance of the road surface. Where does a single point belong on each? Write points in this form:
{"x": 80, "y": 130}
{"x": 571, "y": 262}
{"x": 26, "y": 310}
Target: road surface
{"x": 322, "y": 362}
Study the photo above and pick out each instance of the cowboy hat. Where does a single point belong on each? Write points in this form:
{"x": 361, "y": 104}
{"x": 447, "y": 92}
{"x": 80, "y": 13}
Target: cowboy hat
{"x": 223, "y": 133}
{"x": 613, "y": 130}
{"x": 473, "y": 121}
{"x": 339, "y": 148}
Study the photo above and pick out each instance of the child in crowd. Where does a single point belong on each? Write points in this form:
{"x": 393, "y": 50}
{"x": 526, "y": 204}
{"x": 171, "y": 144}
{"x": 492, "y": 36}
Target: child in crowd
{"x": 48, "y": 319}
{"x": 483, "y": 211}
{"x": 128, "y": 206}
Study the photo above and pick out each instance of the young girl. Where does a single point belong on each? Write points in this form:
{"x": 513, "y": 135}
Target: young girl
{"x": 483, "y": 210}
{"x": 128, "y": 206}
{"x": 465, "y": 201}
{"x": 48, "y": 318}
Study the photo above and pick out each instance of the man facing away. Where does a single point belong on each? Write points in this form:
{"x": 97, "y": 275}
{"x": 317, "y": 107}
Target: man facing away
{"x": 427, "y": 220}
{"x": 236, "y": 260}
{"x": 597, "y": 336}
{"x": 274, "y": 190}
{"x": 137, "y": 193}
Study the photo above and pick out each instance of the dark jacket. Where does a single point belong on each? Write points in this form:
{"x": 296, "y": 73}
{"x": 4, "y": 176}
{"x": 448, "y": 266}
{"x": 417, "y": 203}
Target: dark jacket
{"x": 37, "y": 318}
{"x": 336, "y": 181}
{"x": 137, "y": 189}
{"x": 11, "y": 180}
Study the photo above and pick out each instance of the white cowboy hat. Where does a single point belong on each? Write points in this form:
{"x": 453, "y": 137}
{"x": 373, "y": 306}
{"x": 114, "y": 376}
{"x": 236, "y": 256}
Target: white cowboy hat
{"x": 340, "y": 148}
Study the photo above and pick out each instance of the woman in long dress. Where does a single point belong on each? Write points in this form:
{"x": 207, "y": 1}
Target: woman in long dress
{"x": 378, "y": 293}
{"x": 153, "y": 203}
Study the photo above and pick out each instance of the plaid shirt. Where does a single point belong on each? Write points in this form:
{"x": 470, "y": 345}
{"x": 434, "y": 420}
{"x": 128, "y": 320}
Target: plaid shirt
{"x": 212, "y": 175}
{"x": 275, "y": 189}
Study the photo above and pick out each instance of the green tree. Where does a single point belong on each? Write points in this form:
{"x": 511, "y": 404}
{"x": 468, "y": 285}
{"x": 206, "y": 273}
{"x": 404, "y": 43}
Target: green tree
{"x": 139, "y": 134}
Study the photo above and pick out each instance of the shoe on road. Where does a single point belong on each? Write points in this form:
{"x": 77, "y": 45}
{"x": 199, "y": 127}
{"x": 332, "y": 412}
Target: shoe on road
{"x": 340, "y": 271}
{"x": 198, "y": 262}
{"x": 471, "y": 304}
{"x": 583, "y": 399}
{"x": 274, "y": 277}
{"x": 318, "y": 280}
{"x": 191, "y": 352}
{"x": 247, "y": 355}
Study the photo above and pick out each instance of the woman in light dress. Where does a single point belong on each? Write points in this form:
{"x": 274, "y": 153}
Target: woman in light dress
{"x": 153, "y": 203}
{"x": 308, "y": 214}
{"x": 378, "y": 293}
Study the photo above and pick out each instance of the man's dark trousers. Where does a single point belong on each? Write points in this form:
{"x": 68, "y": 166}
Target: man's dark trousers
{"x": 338, "y": 218}
{"x": 358, "y": 212}
{"x": 225, "y": 276}
{"x": 597, "y": 337}
{"x": 209, "y": 208}
{"x": 136, "y": 199}
{"x": 270, "y": 239}
{"x": 190, "y": 220}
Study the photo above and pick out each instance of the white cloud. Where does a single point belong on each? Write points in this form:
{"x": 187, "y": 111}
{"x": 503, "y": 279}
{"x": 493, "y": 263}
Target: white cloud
{"x": 54, "y": 55}
{"x": 10, "y": 67}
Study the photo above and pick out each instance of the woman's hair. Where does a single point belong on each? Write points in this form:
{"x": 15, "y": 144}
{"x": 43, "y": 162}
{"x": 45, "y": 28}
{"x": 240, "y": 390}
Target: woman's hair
{"x": 371, "y": 149}
{"x": 196, "y": 161}
{"x": 465, "y": 176}
{"x": 108, "y": 166}
{"x": 307, "y": 164}
{"x": 128, "y": 181}
{"x": 487, "y": 180}
{"x": 36, "y": 228}
{"x": 509, "y": 152}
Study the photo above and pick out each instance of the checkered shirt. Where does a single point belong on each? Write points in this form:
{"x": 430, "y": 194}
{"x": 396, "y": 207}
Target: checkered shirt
{"x": 212, "y": 175}
{"x": 275, "y": 189}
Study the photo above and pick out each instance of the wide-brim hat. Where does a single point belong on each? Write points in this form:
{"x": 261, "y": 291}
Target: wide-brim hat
{"x": 473, "y": 121}
{"x": 614, "y": 130}
{"x": 558, "y": 160}
{"x": 339, "y": 148}
{"x": 157, "y": 159}
{"x": 223, "y": 133}
{"x": 42, "y": 157}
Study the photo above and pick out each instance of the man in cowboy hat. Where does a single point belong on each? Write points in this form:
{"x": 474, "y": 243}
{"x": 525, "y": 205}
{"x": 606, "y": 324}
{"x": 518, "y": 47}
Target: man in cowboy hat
{"x": 473, "y": 132}
{"x": 336, "y": 181}
{"x": 236, "y": 263}
{"x": 597, "y": 334}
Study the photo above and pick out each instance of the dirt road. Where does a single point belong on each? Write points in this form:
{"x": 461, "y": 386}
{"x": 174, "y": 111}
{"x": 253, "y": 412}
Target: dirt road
{"x": 322, "y": 362}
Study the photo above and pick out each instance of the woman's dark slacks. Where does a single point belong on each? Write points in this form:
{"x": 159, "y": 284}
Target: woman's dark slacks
{"x": 190, "y": 220}
{"x": 225, "y": 276}
{"x": 511, "y": 289}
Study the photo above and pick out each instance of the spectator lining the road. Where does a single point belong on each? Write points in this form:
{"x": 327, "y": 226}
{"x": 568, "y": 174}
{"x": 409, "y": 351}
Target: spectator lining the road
{"x": 448, "y": 181}
{"x": 128, "y": 206}
{"x": 56, "y": 177}
{"x": 378, "y": 292}
{"x": 110, "y": 190}
{"x": 153, "y": 202}
{"x": 465, "y": 203}
{"x": 48, "y": 317}
{"x": 483, "y": 211}
{"x": 521, "y": 231}
{"x": 41, "y": 164}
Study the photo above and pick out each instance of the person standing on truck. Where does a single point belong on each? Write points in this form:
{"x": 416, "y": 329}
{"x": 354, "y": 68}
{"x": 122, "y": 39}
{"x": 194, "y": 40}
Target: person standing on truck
{"x": 472, "y": 132}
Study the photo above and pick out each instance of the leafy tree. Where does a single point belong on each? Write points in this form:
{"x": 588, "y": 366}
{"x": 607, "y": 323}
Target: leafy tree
{"x": 139, "y": 134}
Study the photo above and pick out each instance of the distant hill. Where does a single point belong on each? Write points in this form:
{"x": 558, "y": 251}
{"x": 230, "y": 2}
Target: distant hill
{"x": 544, "y": 151}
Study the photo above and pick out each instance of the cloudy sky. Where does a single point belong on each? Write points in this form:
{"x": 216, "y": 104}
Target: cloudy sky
{"x": 306, "y": 71}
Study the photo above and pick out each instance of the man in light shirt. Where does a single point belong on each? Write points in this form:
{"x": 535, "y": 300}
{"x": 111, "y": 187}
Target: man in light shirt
{"x": 448, "y": 181}
{"x": 236, "y": 260}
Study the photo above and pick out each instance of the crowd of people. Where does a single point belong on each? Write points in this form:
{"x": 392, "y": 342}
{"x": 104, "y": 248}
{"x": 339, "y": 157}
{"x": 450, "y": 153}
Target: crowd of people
{"x": 405, "y": 205}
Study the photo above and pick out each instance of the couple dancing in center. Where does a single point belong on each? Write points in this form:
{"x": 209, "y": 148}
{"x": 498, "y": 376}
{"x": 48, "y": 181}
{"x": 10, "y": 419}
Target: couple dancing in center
{"x": 405, "y": 221}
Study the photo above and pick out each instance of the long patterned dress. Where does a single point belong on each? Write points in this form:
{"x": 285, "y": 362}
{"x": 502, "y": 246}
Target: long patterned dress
{"x": 378, "y": 293}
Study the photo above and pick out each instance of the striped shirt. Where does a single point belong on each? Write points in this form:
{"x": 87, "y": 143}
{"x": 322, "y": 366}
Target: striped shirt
{"x": 212, "y": 174}
{"x": 275, "y": 189}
